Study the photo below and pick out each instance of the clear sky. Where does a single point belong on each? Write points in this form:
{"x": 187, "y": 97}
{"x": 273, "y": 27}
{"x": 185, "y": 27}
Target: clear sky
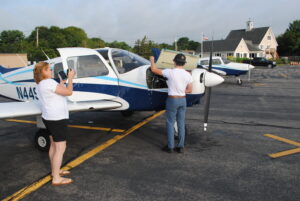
{"x": 160, "y": 20}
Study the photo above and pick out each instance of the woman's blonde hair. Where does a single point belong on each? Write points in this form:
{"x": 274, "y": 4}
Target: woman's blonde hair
{"x": 38, "y": 71}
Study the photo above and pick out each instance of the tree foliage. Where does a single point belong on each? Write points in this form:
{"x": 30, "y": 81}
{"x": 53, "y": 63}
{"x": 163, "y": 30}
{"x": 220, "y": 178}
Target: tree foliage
{"x": 144, "y": 47}
{"x": 184, "y": 43}
{"x": 289, "y": 41}
{"x": 12, "y": 41}
{"x": 51, "y": 38}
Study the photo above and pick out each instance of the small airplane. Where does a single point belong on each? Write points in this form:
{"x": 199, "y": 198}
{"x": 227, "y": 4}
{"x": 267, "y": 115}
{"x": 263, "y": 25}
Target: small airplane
{"x": 107, "y": 79}
{"x": 225, "y": 67}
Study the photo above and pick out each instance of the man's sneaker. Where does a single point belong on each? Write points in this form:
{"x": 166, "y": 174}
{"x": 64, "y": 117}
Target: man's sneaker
{"x": 167, "y": 149}
{"x": 179, "y": 149}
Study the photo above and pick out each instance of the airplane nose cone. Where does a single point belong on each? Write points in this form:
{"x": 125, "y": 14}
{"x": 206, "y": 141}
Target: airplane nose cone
{"x": 212, "y": 79}
{"x": 250, "y": 67}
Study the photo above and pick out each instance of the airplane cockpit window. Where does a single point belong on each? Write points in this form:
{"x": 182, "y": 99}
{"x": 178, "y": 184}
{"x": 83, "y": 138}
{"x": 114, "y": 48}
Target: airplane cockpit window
{"x": 226, "y": 61}
{"x": 126, "y": 61}
{"x": 204, "y": 62}
{"x": 57, "y": 68}
{"x": 216, "y": 62}
{"x": 87, "y": 66}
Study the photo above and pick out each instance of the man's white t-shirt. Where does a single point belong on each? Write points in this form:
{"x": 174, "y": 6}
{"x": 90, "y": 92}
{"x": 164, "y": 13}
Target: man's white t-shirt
{"x": 54, "y": 106}
{"x": 178, "y": 79}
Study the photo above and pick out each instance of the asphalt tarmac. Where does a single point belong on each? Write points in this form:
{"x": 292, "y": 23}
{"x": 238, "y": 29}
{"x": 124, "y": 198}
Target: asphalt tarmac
{"x": 231, "y": 162}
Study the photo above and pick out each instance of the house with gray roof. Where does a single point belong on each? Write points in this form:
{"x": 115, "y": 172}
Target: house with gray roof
{"x": 250, "y": 42}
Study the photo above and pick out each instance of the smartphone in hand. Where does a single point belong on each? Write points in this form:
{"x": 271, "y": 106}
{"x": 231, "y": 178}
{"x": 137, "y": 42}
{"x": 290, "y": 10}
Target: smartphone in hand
{"x": 62, "y": 75}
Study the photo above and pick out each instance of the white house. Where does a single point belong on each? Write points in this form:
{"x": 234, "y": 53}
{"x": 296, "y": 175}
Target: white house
{"x": 250, "y": 42}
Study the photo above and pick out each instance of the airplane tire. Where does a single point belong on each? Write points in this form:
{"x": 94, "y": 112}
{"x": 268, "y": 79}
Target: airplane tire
{"x": 239, "y": 82}
{"x": 42, "y": 140}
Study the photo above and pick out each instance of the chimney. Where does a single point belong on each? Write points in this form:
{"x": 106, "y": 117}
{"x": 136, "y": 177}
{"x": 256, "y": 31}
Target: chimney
{"x": 249, "y": 25}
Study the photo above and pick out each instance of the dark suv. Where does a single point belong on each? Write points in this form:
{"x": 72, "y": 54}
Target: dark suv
{"x": 260, "y": 61}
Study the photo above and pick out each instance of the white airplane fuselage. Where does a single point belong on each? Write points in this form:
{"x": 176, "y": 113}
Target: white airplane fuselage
{"x": 105, "y": 74}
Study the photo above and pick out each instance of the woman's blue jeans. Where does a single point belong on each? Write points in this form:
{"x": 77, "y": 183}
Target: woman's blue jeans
{"x": 176, "y": 108}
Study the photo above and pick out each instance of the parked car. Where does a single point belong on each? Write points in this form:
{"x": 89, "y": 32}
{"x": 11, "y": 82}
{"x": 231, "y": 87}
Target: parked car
{"x": 260, "y": 61}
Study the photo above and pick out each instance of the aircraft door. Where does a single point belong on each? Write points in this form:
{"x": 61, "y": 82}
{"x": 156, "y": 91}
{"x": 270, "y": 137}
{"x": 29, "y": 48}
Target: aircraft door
{"x": 94, "y": 79}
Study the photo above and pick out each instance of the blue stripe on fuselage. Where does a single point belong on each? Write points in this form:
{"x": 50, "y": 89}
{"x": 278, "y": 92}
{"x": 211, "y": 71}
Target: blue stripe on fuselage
{"x": 230, "y": 71}
{"x": 138, "y": 99}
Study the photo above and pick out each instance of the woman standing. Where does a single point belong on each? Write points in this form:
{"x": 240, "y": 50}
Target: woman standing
{"x": 55, "y": 115}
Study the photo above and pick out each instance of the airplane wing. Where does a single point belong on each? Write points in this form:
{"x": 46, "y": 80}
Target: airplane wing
{"x": 18, "y": 109}
{"x": 220, "y": 72}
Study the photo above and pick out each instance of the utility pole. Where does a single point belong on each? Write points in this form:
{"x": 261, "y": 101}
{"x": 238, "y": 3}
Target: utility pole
{"x": 202, "y": 45}
{"x": 37, "y": 37}
{"x": 175, "y": 44}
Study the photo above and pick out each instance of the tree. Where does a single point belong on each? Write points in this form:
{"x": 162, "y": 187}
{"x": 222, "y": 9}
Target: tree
{"x": 76, "y": 37}
{"x": 121, "y": 45}
{"x": 166, "y": 46}
{"x": 95, "y": 43}
{"x": 289, "y": 42}
{"x": 12, "y": 41}
{"x": 144, "y": 47}
{"x": 183, "y": 43}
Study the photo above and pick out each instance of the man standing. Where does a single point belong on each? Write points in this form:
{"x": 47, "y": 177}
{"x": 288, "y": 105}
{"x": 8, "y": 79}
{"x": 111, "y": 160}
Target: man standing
{"x": 179, "y": 83}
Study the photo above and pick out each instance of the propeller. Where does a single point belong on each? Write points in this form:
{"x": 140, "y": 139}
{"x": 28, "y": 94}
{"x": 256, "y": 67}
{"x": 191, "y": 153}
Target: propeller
{"x": 207, "y": 92}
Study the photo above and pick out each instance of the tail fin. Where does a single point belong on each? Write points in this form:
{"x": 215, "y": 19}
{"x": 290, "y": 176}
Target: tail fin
{"x": 156, "y": 53}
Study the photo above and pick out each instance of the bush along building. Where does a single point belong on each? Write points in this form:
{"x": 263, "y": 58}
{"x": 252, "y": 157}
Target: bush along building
{"x": 244, "y": 43}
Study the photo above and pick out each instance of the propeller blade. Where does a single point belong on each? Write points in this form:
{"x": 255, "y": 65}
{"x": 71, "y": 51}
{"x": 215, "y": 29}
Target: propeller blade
{"x": 207, "y": 91}
{"x": 206, "y": 106}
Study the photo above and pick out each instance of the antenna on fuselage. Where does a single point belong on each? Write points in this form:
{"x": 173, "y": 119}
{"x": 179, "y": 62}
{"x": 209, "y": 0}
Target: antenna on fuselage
{"x": 45, "y": 54}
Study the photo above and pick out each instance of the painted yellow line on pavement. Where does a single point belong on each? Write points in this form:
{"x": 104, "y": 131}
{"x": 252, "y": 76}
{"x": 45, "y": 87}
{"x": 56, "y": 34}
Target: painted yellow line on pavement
{"x": 285, "y": 153}
{"x": 283, "y": 139}
{"x": 33, "y": 187}
{"x": 97, "y": 128}
{"x": 284, "y": 75}
{"x": 72, "y": 126}
{"x": 259, "y": 84}
{"x": 20, "y": 121}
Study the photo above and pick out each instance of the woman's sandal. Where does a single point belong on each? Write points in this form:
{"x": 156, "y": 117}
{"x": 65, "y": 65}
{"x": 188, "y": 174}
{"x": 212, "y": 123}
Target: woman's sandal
{"x": 64, "y": 181}
{"x": 64, "y": 172}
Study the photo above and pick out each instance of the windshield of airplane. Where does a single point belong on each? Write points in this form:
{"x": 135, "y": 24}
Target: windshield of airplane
{"x": 126, "y": 61}
{"x": 226, "y": 61}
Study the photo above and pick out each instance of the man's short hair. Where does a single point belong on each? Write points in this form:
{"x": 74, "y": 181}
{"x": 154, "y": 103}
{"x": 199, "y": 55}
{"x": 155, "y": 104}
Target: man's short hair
{"x": 180, "y": 59}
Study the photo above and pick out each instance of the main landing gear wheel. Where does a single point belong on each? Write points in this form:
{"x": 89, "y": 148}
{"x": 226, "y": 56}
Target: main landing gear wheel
{"x": 42, "y": 140}
{"x": 239, "y": 81}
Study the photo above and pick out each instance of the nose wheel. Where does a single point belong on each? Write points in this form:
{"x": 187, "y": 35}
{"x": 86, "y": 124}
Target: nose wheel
{"x": 239, "y": 81}
{"x": 42, "y": 140}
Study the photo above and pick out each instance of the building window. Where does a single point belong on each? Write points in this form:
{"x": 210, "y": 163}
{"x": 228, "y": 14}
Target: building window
{"x": 217, "y": 54}
{"x": 238, "y": 55}
{"x": 252, "y": 55}
{"x": 245, "y": 55}
{"x": 269, "y": 37}
{"x": 230, "y": 54}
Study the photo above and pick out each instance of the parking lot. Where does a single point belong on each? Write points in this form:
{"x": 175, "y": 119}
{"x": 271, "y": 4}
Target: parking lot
{"x": 250, "y": 152}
